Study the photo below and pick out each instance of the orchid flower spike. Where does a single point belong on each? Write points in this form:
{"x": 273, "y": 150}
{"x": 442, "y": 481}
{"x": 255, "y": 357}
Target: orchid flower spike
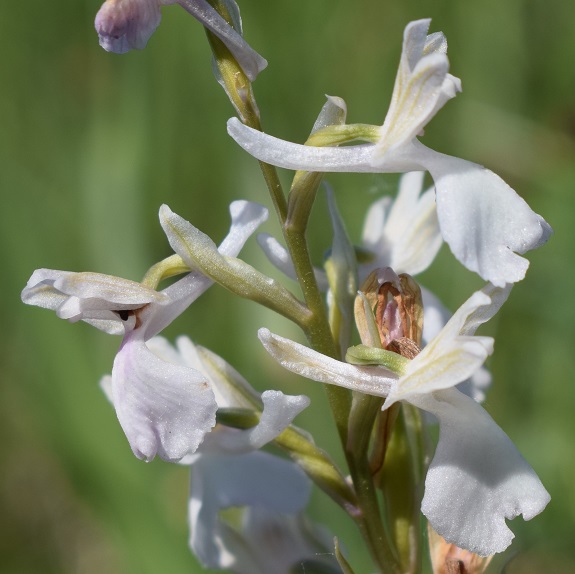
{"x": 124, "y": 25}
{"x": 477, "y": 478}
{"x": 163, "y": 408}
{"x": 484, "y": 222}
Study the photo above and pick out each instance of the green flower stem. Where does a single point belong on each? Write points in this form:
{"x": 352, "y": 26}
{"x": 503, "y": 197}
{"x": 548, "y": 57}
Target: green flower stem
{"x": 301, "y": 198}
{"x": 365, "y": 409}
{"x": 317, "y": 464}
{"x": 169, "y": 267}
{"x": 400, "y": 486}
{"x": 317, "y": 328}
{"x": 275, "y": 189}
{"x": 239, "y": 90}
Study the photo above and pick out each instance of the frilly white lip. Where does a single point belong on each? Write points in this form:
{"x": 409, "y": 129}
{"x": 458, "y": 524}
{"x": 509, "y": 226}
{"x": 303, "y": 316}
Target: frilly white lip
{"x": 485, "y": 223}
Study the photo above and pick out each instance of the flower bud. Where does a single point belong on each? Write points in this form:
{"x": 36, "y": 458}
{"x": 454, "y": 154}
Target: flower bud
{"x": 123, "y": 25}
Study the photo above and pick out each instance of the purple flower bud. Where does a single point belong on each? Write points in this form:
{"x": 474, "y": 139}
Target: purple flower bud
{"x": 123, "y": 25}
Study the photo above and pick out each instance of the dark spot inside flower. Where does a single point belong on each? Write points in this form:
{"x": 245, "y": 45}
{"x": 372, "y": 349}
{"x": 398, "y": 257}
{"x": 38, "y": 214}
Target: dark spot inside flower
{"x": 124, "y": 314}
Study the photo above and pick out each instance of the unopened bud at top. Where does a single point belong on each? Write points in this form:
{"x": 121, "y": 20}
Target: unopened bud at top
{"x": 123, "y": 25}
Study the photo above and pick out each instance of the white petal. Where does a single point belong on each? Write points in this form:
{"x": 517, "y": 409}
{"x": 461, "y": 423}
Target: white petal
{"x": 454, "y": 354}
{"x": 410, "y": 186}
{"x": 164, "y": 409}
{"x": 106, "y": 386}
{"x": 299, "y": 157}
{"x": 112, "y": 292}
{"x": 317, "y": 367}
{"x": 415, "y": 44}
{"x": 180, "y": 295}
{"x": 123, "y": 25}
{"x": 477, "y": 385}
{"x": 372, "y": 235}
{"x": 436, "y": 42}
{"x": 90, "y": 297}
{"x": 277, "y": 254}
{"x": 476, "y": 311}
{"x": 484, "y": 222}
{"x": 40, "y": 290}
{"x": 452, "y": 364}
{"x": 247, "y": 216}
{"x": 477, "y": 478}
{"x": 333, "y": 112}
{"x": 418, "y": 90}
{"x": 436, "y": 316}
{"x": 412, "y": 227}
{"x": 256, "y": 479}
{"x": 249, "y": 60}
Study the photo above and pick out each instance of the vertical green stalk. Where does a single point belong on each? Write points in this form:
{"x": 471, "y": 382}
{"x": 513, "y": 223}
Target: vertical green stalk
{"x": 317, "y": 329}
{"x": 364, "y": 412}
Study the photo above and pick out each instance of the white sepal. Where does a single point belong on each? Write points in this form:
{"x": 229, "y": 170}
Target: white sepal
{"x": 183, "y": 236}
{"x": 308, "y": 363}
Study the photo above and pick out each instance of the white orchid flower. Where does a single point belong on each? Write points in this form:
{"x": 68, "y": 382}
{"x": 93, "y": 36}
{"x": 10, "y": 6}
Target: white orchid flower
{"x": 227, "y": 472}
{"x": 477, "y": 478}
{"x": 124, "y": 25}
{"x": 273, "y": 535}
{"x": 163, "y": 408}
{"x": 485, "y": 223}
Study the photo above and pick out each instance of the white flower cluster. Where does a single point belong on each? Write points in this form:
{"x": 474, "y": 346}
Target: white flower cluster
{"x": 167, "y": 398}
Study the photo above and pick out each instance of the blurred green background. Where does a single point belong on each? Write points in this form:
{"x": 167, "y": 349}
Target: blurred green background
{"x": 92, "y": 143}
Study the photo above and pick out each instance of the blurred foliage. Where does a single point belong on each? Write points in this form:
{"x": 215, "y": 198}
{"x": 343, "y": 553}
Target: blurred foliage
{"x": 92, "y": 143}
